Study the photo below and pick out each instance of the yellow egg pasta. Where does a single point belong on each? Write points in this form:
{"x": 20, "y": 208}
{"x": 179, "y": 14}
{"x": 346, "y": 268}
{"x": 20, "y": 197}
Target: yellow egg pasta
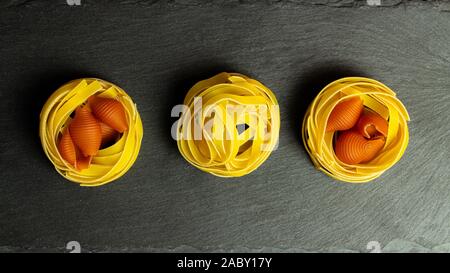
{"x": 377, "y": 97}
{"x": 111, "y": 162}
{"x": 230, "y": 126}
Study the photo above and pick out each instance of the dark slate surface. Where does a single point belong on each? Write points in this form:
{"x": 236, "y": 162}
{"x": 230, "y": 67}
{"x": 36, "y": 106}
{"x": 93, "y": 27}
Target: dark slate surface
{"x": 156, "y": 50}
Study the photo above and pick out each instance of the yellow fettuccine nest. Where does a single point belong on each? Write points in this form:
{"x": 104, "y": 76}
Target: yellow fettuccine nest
{"x": 377, "y": 97}
{"x": 110, "y": 163}
{"x": 217, "y": 108}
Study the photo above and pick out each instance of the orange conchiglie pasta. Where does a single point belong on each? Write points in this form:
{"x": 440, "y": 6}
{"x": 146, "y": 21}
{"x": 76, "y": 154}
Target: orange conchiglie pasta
{"x": 371, "y": 124}
{"x": 108, "y": 133}
{"x": 67, "y": 149}
{"x": 110, "y": 112}
{"x": 83, "y": 162}
{"x": 352, "y": 148}
{"x": 86, "y": 132}
{"x": 345, "y": 115}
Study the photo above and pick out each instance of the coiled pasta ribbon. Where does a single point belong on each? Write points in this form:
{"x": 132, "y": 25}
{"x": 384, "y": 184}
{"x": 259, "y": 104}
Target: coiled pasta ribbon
{"x": 230, "y": 126}
{"x": 376, "y": 96}
{"x": 109, "y": 163}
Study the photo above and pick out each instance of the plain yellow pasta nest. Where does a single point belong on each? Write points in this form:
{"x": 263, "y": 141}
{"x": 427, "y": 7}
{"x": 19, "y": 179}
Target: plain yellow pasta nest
{"x": 111, "y": 162}
{"x": 230, "y": 126}
{"x": 377, "y": 97}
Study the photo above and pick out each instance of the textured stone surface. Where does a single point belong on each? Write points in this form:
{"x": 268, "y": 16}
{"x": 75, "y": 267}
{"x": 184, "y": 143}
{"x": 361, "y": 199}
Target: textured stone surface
{"x": 156, "y": 50}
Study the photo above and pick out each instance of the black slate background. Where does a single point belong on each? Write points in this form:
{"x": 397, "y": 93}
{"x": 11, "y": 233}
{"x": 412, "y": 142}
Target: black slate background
{"x": 156, "y": 50}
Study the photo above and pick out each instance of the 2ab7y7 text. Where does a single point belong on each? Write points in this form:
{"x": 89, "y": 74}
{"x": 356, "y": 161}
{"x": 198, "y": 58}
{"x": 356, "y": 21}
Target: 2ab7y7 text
{"x": 246, "y": 262}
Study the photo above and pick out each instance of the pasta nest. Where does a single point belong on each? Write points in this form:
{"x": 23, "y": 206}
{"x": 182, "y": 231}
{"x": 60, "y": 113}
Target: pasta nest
{"x": 109, "y": 163}
{"x": 378, "y": 98}
{"x": 230, "y": 125}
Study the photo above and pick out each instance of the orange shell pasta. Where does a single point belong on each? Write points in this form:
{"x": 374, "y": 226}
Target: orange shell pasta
{"x": 345, "y": 115}
{"x": 371, "y": 124}
{"x": 353, "y": 148}
{"x": 108, "y": 133}
{"x": 86, "y": 132}
{"x": 67, "y": 149}
{"x": 110, "y": 112}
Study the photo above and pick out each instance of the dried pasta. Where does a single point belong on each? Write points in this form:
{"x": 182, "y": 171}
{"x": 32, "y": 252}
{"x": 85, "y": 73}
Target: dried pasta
{"x": 377, "y": 97}
{"x": 109, "y": 163}
{"x": 238, "y": 123}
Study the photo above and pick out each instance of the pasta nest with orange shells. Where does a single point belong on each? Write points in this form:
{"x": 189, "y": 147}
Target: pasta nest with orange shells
{"x": 376, "y": 98}
{"x": 110, "y": 162}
